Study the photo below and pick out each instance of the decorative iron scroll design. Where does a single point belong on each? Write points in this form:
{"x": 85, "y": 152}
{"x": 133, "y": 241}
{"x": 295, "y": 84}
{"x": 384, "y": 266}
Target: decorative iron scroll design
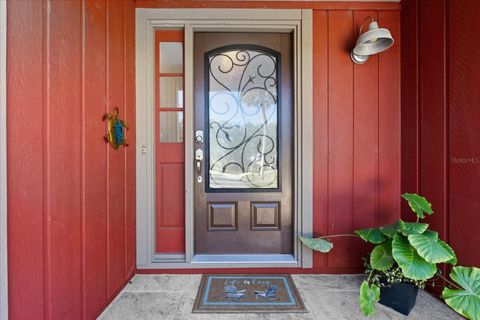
{"x": 242, "y": 91}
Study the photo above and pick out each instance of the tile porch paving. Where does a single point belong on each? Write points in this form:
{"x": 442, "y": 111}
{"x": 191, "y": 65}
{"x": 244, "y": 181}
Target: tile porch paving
{"x": 171, "y": 297}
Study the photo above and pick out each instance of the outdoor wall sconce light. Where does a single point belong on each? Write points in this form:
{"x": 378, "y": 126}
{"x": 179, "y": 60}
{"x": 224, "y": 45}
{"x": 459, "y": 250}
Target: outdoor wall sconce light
{"x": 374, "y": 41}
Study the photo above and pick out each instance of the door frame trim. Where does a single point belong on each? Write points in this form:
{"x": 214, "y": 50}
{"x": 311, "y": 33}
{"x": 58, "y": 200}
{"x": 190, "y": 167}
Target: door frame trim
{"x": 241, "y": 20}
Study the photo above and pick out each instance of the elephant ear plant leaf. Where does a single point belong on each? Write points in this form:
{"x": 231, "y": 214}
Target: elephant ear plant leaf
{"x": 381, "y": 257}
{"x": 318, "y": 244}
{"x": 408, "y": 252}
{"x": 372, "y": 235}
{"x": 369, "y": 295}
{"x": 392, "y": 229}
{"x": 430, "y": 249}
{"x": 412, "y": 264}
{"x": 418, "y": 204}
{"x": 466, "y": 298}
{"x": 410, "y": 228}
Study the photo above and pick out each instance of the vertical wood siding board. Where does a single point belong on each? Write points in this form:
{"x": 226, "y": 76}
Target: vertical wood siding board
{"x": 25, "y": 195}
{"x": 352, "y": 204}
{"x": 432, "y": 109}
{"x": 389, "y": 124}
{"x": 82, "y": 167}
{"x": 107, "y": 147}
{"x": 320, "y": 169}
{"x": 46, "y": 161}
{"x": 327, "y": 120}
{"x": 65, "y": 158}
{"x": 409, "y": 104}
{"x": 95, "y": 158}
{"x": 340, "y": 135}
{"x": 125, "y": 160}
{"x": 365, "y": 171}
{"x": 116, "y": 161}
{"x": 131, "y": 179}
{"x": 463, "y": 125}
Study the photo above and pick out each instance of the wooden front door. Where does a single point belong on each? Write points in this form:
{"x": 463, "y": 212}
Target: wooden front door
{"x": 243, "y": 143}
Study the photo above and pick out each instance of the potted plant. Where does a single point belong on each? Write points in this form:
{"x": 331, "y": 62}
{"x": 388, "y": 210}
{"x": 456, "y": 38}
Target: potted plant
{"x": 404, "y": 257}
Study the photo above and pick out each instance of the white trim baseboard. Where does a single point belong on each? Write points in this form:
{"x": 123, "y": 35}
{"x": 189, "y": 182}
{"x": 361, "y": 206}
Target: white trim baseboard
{"x": 3, "y": 164}
{"x": 299, "y": 23}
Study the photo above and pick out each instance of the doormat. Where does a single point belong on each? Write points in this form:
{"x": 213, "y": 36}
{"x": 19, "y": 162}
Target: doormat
{"x": 247, "y": 294}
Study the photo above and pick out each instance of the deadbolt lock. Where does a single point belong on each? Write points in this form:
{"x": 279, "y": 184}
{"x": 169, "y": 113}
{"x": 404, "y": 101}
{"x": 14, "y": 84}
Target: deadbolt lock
{"x": 199, "y": 136}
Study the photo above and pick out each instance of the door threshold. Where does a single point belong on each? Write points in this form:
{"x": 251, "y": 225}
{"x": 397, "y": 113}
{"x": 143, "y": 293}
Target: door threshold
{"x": 228, "y": 261}
{"x": 244, "y": 258}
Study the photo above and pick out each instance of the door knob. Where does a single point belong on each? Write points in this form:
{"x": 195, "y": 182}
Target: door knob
{"x": 198, "y": 162}
{"x": 199, "y": 154}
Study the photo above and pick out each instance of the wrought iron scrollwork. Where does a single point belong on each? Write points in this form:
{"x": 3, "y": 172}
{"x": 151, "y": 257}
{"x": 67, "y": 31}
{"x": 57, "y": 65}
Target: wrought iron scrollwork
{"x": 243, "y": 118}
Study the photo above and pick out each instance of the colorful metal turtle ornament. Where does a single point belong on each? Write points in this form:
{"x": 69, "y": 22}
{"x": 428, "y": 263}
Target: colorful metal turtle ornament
{"x": 116, "y": 128}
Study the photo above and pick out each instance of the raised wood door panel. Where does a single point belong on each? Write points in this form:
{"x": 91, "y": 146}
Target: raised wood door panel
{"x": 243, "y": 202}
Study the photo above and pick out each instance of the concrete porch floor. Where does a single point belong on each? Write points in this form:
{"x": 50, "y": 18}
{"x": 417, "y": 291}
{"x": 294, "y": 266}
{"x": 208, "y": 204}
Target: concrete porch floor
{"x": 171, "y": 297}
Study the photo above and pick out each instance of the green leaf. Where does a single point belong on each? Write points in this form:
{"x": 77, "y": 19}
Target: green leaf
{"x": 373, "y": 235}
{"x": 465, "y": 301}
{"x": 412, "y": 264}
{"x": 431, "y": 234}
{"x": 418, "y": 204}
{"x": 317, "y": 244}
{"x": 449, "y": 250}
{"x": 430, "y": 249}
{"x": 392, "y": 229}
{"x": 413, "y": 228}
{"x": 369, "y": 295}
{"x": 381, "y": 257}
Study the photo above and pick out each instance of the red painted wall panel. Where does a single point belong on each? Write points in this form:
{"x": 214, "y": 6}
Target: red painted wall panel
{"x": 356, "y": 134}
{"x": 464, "y": 127}
{"x": 94, "y": 223}
{"x": 389, "y": 123}
{"x": 433, "y": 109}
{"x": 24, "y": 162}
{"x": 365, "y": 139}
{"x": 131, "y": 154}
{"x": 115, "y": 160}
{"x": 340, "y": 132}
{"x": 410, "y": 115}
{"x": 320, "y": 130}
{"x": 62, "y": 156}
{"x": 440, "y": 118}
{"x": 71, "y": 196}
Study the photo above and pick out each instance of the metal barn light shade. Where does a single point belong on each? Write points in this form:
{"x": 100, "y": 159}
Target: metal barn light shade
{"x": 374, "y": 41}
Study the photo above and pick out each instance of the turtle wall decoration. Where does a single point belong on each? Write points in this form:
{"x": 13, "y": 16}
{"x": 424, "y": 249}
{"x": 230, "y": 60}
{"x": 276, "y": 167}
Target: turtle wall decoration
{"x": 116, "y": 128}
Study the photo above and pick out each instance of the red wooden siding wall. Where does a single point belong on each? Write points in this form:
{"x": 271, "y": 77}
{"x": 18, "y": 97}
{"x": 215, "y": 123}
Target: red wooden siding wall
{"x": 71, "y": 197}
{"x": 464, "y": 128}
{"x": 440, "y": 116}
{"x": 356, "y": 134}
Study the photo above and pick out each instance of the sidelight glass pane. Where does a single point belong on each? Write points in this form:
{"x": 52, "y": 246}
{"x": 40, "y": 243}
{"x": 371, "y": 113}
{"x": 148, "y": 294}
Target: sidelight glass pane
{"x": 171, "y": 92}
{"x": 243, "y": 120}
{"x": 171, "y": 126}
{"x": 171, "y": 57}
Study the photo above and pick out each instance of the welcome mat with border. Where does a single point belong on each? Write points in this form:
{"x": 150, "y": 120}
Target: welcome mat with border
{"x": 247, "y": 293}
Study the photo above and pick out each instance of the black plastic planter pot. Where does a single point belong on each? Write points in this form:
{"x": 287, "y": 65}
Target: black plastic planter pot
{"x": 400, "y": 297}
